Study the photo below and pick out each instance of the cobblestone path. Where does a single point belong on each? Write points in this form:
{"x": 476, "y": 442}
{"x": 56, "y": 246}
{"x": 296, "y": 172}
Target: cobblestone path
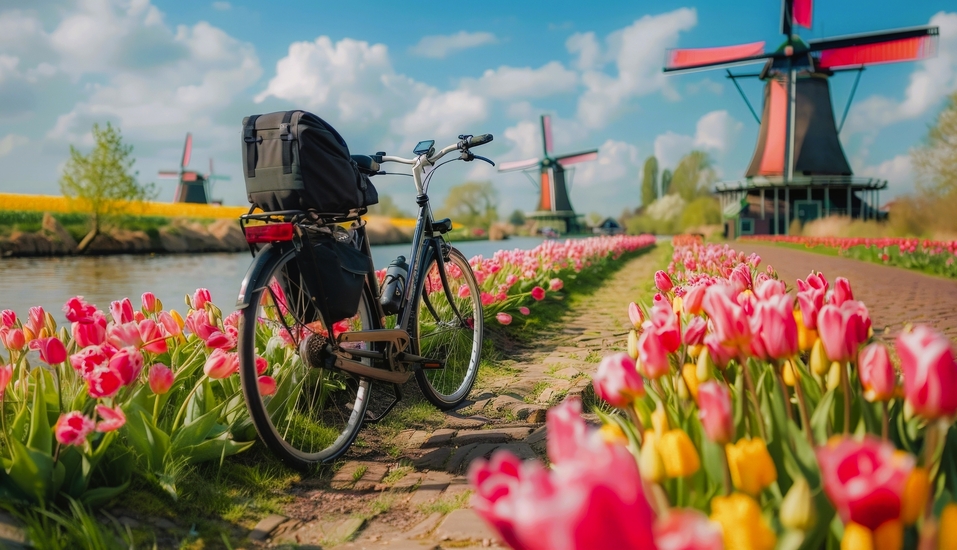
{"x": 413, "y": 494}
{"x": 894, "y": 296}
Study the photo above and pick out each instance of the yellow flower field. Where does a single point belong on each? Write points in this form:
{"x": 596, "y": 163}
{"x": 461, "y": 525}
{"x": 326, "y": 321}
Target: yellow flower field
{"x": 60, "y": 204}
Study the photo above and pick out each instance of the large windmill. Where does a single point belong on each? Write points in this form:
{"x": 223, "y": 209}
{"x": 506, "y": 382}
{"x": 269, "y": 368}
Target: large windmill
{"x": 193, "y": 186}
{"x": 798, "y": 148}
{"x": 554, "y": 209}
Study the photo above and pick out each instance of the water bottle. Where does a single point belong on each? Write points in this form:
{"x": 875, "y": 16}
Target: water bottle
{"x": 394, "y": 285}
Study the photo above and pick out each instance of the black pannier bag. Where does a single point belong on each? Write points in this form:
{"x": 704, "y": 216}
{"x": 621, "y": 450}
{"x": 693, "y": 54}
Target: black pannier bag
{"x": 336, "y": 273}
{"x": 294, "y": 160}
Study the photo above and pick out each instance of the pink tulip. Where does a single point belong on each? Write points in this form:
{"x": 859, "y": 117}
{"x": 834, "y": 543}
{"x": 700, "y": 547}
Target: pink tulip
{"x": 76, "y": 309}
{"x": 153, "y": 336}
{"x": 220, "y": 364}
{"x": 811, "y": 302}
{"x": 487, "y": 299}
{"x": 122, "y": 311}
{"x": 814, "y": 281}
{"x": 13, "y": 339}
{"x": 843, "y": 329}
{"x": 150, "y": 303}
{"x": 89, "y": 358}
{"x": 8, "y": 318}
{"x": 233, "y": 319}
{"x": 729, "y": 318}
{"x": 768, "y": 288}
{"x": 653, "y": 355}
{"x": 568, "y": 430}
{"x": 663, "y": 282}
{"x": 617, "y": 380}
{"x": 504, "y": 318}
{"x": 864, "y": 479}
{"x": 267, "y": 385}
{"x": 261, "y": 365}
{"x": 6, "y": 374}
{"x": 200, "y": 298}
{"x": 665, "y": 322}
{"x": 538, "y": 293}
{"x": 222, "y": 341}
{"x": 113, "y": 419}
{"x": 930, "y": 372}
{"x": 694, "y": 331}
{"x": 524, "y": 310}
{"x": 715, "y": 412}
{"x": 198, "y": 323}
{"x": 877, "y": 373}
{"x": 35, "y": 321}
{"x": 127, "y": 363}
{"x": 91, "y": 331}
{"x": 124, "y": 335}
{"x": 741, "y": 277}
{"x": 160, "y": 378}
{"x": 721, "y": 354}
{"x": 687, "y": 529}
{"x": 52, "y": 351}
{"x": 773, "y": 325}
{"x": 170, "y": 324}
{"x": 635, "y": 315}
{"x": 72, "y": 428}
{"x": 103, "y": 381}
{"x": 555, "y": 284}
{"x": 842, "y": 291}
{"x": 464, "y": 291}
{"x": 693, "y": 298}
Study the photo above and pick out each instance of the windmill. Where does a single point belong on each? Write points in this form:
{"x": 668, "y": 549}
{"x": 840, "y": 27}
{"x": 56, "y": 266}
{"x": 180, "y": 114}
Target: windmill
{"x": 193, "y": 186}
{"x": 554, "y": 209}
{"x": 798, "y": 146}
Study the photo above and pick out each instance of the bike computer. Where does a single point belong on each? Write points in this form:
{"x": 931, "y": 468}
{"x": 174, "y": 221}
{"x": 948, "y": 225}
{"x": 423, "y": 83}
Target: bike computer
{"x": 424, "y": 147}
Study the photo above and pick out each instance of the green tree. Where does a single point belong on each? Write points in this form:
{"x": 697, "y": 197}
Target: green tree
{"x": 665, "y": 183}
{"x": 517, "y": 218}
{"x": 936, "y": 161}
{"x": 474, "y": 204}
{"x": 703, "y": 210}
{"x": 649, "y": 181}
{"x": 693, "y": 176}
{"x": 388, "y": 208}
{"x": 103, "y": 181}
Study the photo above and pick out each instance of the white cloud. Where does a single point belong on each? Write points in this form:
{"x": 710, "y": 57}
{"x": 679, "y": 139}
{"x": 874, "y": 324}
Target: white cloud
{"x": 514, "y": 82}
{"x": 670, "y": 147}
{"x": 586, "y": 47}
{"x": 617, "y": 162}
{"x": 715, "y": 132}
{"x": 441, "y": 46}
{"x": 222, "y": 6}
{"x": 11, "y": 142}
{"x": 443, "y": 114}
{"x": 637, "y": 51}
{"x": 898, "y": 172}
{"x": 704, "y": 85}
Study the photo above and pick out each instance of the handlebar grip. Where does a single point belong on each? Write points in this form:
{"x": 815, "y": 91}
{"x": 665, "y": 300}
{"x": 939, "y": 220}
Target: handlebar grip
{"x": 482, "y": 139}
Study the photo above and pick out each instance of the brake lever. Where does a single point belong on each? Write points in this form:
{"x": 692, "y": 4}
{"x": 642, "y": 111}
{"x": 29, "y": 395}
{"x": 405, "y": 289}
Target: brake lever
{"x": 483, "y": 159}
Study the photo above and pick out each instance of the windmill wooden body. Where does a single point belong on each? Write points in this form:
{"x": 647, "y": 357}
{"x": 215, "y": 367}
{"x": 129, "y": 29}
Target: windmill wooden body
{"x": 554, "y": 209}
{"x": 798, "y": 169}
{"x": 193, "y": 187}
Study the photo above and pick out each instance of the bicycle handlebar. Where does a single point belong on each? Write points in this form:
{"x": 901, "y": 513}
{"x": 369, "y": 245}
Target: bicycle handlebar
{"x": 474, "y": 141}
{"x": 464, "y": 143}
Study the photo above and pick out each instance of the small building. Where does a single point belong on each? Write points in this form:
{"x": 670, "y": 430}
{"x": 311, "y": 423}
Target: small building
{"x": 609, "y": 226}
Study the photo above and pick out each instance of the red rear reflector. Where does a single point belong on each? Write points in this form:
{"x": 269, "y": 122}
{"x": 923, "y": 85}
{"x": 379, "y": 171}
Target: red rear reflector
{"x": 269, "y": 233}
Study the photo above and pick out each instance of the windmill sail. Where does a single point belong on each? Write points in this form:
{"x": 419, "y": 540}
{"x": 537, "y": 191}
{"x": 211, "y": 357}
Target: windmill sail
{"x": 514, "y": 165}
{"x": 697, "y": 58}
{"x": 575, "y": 158}
{"x": 547, "y": 134}
{"x": 882, "y": 47}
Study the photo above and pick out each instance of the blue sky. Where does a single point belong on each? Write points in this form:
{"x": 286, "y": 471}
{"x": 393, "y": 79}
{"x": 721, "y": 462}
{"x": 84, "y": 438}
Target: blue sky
{"x": 389, "y": 74}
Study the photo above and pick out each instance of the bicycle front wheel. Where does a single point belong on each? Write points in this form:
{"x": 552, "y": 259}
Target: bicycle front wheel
{"x": 450, "y": 334}
{"x": 311, "y": 415}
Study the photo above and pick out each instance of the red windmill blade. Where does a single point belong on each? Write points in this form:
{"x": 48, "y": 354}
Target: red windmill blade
{"x": 880, "y": 47}
{"x": 575, "y": 158}
{"x": 684, "y": 59}
{"x": 547, "y": 134}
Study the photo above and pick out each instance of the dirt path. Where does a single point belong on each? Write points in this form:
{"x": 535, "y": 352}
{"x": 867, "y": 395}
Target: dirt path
{"x": 406, "y": 488}
{"x": 894, "y": 296}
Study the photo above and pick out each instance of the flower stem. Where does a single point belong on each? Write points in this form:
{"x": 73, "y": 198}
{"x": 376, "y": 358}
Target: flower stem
{"x": 182, "y": 409}
{"x": 846, "y": 389}
{"x": 726, "y": 471}
{"x": 802, "y": 407}
{"x": 754, "y": 399}
{"x": 885, "y": 420}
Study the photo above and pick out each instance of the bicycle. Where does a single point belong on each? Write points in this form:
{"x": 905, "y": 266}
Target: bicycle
{"x": 323, "y": 395}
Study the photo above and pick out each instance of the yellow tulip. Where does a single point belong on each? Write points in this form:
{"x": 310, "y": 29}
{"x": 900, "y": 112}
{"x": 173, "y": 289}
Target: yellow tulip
{"x": 633, "y": 344}
{"x": 916, "y": 493}
{"x": 857, "y": 537}
{"x": 788, "y": 373}
{"x": 948, "y": 528}
{"x": 752, "y": 469}
{"x": 659, "y": 420}
{"x": 819, "y": 362}
{"x": 889, "y": 536}
{"x": 705, "y": 366}
{"x": 677, "y": 305}
{"x": 690, "y": 376}
{"x": 678, "y": 454}
{"x": 806, "y": 337}
{"x": 178, "y": 318}
{"x": 797, "y": 508}
{"x": 742, "y": 524}
{"x": 649, "y": 461}
{"x": 834, "y": 375}
{"x": 695, "y": 351}
{"x": 612, "y": 433}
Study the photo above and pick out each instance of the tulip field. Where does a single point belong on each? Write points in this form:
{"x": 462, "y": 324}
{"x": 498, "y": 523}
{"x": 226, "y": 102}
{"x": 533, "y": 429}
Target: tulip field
{"x": 930, "y": 256}
{"x": 103, "y": 395}
{"x": 744, "y": 417}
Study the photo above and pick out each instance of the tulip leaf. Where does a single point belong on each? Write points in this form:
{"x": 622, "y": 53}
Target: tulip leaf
{"x": 102, "y": 495}
{"x": 213, "y": 449}
{"x": 196, "y": 431}
{"x": 820, "y": 418}
{"x": 148, "y": 441}
{"x": 41, "y": 434}
{"x": 31, "y": 472}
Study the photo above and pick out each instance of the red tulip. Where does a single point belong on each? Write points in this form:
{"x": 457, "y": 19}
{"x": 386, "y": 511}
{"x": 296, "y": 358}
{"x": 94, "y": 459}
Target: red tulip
{"x": 715, "y": 412}
{"x": 160, "y": 378}
{"x": 524, "y": 310}
{"x": 261, "y": 365}
{"x": 877, "y": 373}
{"x": 76, "y": 309}
{"x": 267, "y": 385}
{"x": 113, "y": 419}
{"x": 221, "y": 364}
{"x": 617, "y": 380}
{"x": 52, "y": 351}
{"x": 90, "y": 331}
{"x": 127, "y": 363}
{"x": 842, "y": 291}
{"x": 864, "y": 479}
{"x": 153, "y": 336}
{"x": 504, "y": 318}
{"x": 538, "y": 293}
{"x": 223, "y": 341}
{"x": 768, "y": 288}
{"x": 663, "y": 281}
{"x": 843, "y": 329}
{"x": 122, "y": 311}
{"x": 687, "y": 529}
{"x": 200, "y": 298}
{"x": 198, "y": 323}
{"x": 88, "y": 359}
{"x": 930, "y": 372}
{"x": 721, "y": 354}
{"x": 8, "y": 318}
{"x": 72, "y": 428}
{"x": 6, "y": 374}
{"x": 814, "y": 281}
{"x": 103, "y": 381}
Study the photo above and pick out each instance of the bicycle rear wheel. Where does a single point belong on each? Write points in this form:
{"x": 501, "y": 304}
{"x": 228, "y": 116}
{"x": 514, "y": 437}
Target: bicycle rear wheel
{"x": 314, "y": 414}
{"x": 443, "y": 335}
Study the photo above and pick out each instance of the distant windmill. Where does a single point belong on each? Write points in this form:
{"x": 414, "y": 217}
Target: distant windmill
{"x": 798, "y": 149}
{"x": 553, "y": 205}
{"x": 193, "y": 186}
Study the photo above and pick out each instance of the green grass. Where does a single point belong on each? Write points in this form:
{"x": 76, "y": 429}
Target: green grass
{"x": 446, "y": 504}
{"x": 78, "y": 224}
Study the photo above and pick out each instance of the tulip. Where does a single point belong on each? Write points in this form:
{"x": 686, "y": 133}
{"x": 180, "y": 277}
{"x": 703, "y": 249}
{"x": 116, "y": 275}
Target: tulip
{"x": 819, "y": 362}
{"x": 864, "y": 479}
{"x": 103, "y": 381}
{"x": 6, "y": 374}
{"x": 555, "y": 284}
{"x": 663, "y": 281}
{"x": 113, "y": 419}
{"x": 678, "y": 454}
{"x": 72, "y": 428}
{"x": 695, "y": 331}
{"x": 220, "y": 364}
{"x": 89, "y": 358}
{"x": 122, "y": 311}
{"x": 227, "y": 341}
{"x": 612, "y": 433}
{"x": 524, "y": 310}
{"x": 814, "y": 281}
{"x": 752, "y": 469}
{"x": 199, "y": 324}
{"x": 267, "y": 385}
{"x": 742, "y": 524}
{"x": 665, "y": 323}
{"x": 741, "y": 277}
{"x": 91, "y": 331}
{"x": 261, "y": 365}
{"x": 52, "y": 351}
{"x": 769, "y": 288}
{"x": 635, "y": 315}
{"x": 653, "y": 355}
{"x": 649, "y": 460}
{"x": 617, "y": 380}
{"x": 8, "y": 318}
{"x": 127, "y": 363}
{"x": 504, "y": 318}
{"x": 538, "y": 293}
{"x": 200, "y": 298}
{"x": 76, "y": 309}
{"x": 810, "y": 301}
{"x": 14, "y": 339}
{"x": 930, "y": 372}
{"x": 730, "y": 322}
{"x": 797, "y": 508}
{"x": 806, "y": 336}
{"x": 153, "y": 336}
{"x": 876, "y": 372}
{"x": 689, "y": 378}
{"x": 687, "y": 529}
{"x": 36, "y": 318}
{"x": 719, "y": 353}
{"x": 124, "y": 335}
{"x": 843, "y": 329}
{"x": 151, "y": 304}
{"x": 842, "y": 291}
{"x": 633, "y": 344}
{"x": 704, "y": 367}
{"x": 160, "y": 378}
{"x": 464, "y": 291}
{"x": 715, "y": 411}
{"x": 693, "y": 298}
{"x": 915, "y": 495}
{"x": 857, "y": 537}
{"x": 774, "y": 326}
{"x": 947, "y": 538}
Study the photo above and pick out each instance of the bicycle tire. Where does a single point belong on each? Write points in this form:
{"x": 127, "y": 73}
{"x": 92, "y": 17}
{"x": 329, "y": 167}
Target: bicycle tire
{"x": 315, "y": 414}
{"x": 439, "y": 334}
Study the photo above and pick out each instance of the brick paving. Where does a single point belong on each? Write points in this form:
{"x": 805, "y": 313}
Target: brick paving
{"x": 894, "y": 296}
{"x": 505, "y": 413}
